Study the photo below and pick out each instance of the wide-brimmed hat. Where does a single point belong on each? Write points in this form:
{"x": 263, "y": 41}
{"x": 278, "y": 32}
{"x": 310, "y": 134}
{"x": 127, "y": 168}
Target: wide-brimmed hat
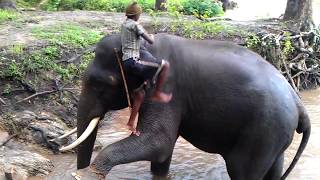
{"x": 133, "y": 9}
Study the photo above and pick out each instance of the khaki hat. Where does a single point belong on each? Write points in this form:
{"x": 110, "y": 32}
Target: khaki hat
{"x": 133, "y": 9}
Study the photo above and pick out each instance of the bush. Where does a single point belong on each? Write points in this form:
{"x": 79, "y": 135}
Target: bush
{"x": 202, "y": 8}
{"x": 51, "y": 5}
{"x": 7, "y": 15}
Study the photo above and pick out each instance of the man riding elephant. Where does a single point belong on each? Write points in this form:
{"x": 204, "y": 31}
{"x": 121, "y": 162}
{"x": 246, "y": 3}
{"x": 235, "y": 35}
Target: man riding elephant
{"x": 140, "y": 62}
{"x": 227, "y": 100}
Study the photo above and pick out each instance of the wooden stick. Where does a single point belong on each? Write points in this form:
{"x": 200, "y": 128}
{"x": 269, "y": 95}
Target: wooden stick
{"x": 123, "y": 77}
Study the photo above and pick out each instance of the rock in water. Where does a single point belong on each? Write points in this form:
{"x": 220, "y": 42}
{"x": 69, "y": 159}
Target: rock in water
{"x": 24, "y": 163}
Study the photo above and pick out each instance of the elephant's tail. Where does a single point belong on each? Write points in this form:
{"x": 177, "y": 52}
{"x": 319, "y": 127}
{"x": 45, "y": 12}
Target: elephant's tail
{"x": 305, "y": 128}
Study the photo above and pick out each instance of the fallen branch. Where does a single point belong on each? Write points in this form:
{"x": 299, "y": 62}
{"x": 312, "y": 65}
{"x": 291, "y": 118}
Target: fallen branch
{"x": 57, "y": 89}
{"x": 37, "y": 94}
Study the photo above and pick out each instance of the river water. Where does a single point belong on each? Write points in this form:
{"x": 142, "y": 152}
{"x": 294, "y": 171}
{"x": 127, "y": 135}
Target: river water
{"x": 191, "y": 163}
{"x": 257, "y": 9}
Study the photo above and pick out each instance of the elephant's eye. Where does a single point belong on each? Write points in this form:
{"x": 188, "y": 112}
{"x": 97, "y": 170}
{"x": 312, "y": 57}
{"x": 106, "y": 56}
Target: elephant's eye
{"x": 112, "y": 80}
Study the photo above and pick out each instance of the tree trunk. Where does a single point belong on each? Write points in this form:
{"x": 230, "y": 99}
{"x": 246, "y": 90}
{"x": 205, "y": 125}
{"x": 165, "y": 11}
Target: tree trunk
{"x": 8, "y": 4}
{"x": 160, "y": 5}
{"x": 299, "y": 12}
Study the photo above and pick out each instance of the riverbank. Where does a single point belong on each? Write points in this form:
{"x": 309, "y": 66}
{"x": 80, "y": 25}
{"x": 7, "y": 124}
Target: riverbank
{"x": 43, "y": 56}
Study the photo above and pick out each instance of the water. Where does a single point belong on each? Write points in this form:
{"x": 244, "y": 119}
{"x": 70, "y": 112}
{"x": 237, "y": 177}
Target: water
{"x": 253, "y": 9}
{"x": 191, "y": 163}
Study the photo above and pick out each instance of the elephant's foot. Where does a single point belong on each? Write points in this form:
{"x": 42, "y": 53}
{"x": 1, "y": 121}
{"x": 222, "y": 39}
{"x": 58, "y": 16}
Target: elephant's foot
{"x": 161, "y": 169}
{"x": 88, "y": 173}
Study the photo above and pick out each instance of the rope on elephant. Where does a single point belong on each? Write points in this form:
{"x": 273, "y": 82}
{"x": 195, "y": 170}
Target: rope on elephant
{"x": 123, "y": 77}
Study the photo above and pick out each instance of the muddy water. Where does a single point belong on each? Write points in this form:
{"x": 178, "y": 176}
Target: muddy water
{"x": 191, "y": 163}
{"x": 255, "y": 9}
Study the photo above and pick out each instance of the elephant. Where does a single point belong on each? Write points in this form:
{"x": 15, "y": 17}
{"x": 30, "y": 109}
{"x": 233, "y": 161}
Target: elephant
{"x": 226, "y": 100}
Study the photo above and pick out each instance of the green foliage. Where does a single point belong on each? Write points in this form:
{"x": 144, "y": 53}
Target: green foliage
{"x": 287, "y": 45}
{"x": 68, "y": 34}
{"x": 253, "y": 42}
{"x": 51, "y": 5}
{"x": 195, "y": 29}
{"x": 16, "y": 49}
{"x": 14, "y": 70}
{"x": 86, "y": 59}
{"x": 7, "y": 89}
{"x": 27, "y": 3}
{"x": 44, "y": 61}
{"x": 7, "y": 15}
{"x": 61, "y": 38}
{"x": 202, "y": 8}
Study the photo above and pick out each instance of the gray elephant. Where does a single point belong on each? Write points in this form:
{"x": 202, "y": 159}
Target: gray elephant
{"x": 226, "y": 100}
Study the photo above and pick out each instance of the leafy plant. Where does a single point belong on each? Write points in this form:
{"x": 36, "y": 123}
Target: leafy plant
{"x": 16, "y": 49}
{"x": 202, "y": 8}
{"x": 51, "y": 5}
{"x": 287, "y": 45}
{"x": 7, "y": 15}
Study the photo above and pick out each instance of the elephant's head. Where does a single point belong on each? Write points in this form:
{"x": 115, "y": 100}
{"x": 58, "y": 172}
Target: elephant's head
{"x": 102, "y": 90}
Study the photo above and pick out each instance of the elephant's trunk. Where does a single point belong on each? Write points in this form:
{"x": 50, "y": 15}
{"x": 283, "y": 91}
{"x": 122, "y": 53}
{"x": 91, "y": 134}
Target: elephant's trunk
{"x": 90, "y": 110}
{"x": 86, "y": 147}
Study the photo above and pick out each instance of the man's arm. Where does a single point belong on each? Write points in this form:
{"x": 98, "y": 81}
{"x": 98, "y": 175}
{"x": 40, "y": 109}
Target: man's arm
{"x": 142, "y": 32}
{"x": 148, "y": 38}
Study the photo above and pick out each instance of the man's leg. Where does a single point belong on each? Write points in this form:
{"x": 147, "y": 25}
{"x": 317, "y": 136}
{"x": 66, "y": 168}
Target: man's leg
{"x": 137, "y": 101}
{"x": 149, "y": 68}
{"x": 158, "y": 95}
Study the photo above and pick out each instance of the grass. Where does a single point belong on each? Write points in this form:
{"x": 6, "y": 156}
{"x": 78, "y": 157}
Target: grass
{"x": 68, "y": 34}
{"x": 63, "y": 39}
{"x": 196, "y": 29}
{"x": 7, "y": 15}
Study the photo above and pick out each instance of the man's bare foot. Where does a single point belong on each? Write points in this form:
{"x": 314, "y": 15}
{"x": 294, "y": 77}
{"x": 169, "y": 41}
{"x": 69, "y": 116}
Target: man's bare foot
{"x": 162, "y": 97}
{"x": 86, "y": 174}
{"x": 133, "y": 129}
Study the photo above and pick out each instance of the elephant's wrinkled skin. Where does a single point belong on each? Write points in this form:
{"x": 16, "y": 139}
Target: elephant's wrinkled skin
{"x": 226, "y": 100}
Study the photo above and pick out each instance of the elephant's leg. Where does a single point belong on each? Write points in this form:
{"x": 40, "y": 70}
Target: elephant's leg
{"x": 162, "y": 168}
{"x": 146, "y": 147}
{"x": 253, "y": 155}
{"x": 158, "y": 125}
{"x": 275, "y": 172}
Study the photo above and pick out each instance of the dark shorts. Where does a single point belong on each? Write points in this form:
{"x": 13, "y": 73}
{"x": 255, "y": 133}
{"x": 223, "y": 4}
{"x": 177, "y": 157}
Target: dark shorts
{"x": 145, "y": 67}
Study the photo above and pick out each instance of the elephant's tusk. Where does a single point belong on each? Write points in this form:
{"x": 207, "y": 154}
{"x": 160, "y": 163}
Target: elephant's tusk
{"x": 83, "y": 136}
{"x": 65, "y": 135}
